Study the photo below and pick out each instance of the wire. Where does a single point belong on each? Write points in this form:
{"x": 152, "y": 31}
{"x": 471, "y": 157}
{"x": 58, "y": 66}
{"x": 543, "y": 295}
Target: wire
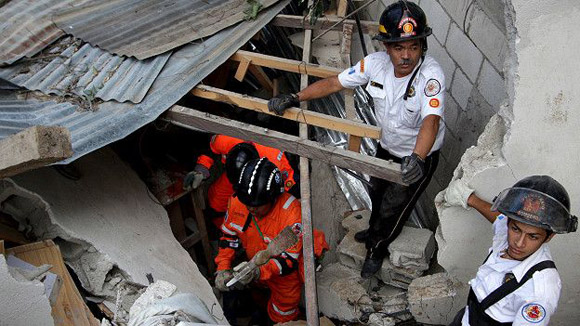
{"x": 343, "y": 19}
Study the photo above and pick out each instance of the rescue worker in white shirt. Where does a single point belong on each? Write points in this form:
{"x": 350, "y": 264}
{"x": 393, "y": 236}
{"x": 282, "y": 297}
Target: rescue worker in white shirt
{"x": 518, "y": 283}
{"x": 408, "y": 88}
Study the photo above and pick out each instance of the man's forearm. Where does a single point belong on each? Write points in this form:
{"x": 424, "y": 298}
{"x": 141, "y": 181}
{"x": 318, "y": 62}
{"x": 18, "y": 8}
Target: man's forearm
{"x": 321, "y": 88}
{"x": 427, "y": 135}
{"x": 483, "y": 207}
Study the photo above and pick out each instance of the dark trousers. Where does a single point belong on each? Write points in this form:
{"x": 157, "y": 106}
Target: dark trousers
{"x": 393, "y": 204}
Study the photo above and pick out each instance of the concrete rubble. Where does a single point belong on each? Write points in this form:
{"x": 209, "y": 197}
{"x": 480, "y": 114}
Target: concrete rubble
{"x": 435, "y": 299}
{"x": 110, "y": 244}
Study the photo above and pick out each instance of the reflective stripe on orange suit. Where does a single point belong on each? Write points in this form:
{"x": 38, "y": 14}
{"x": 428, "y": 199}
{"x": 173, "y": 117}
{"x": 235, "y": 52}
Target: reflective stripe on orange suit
{"x": 285, "y": 290}
{"x": 221, "y": 190}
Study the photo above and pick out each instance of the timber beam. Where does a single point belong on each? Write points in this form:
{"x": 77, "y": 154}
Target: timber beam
{"x": 309, "y": 117}
{"x": 289, "y": 65}
{"x": 324, "y": 23}
{"x": 193, "y": 119}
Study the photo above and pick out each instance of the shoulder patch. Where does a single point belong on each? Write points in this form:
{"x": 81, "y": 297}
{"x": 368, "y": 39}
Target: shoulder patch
{"x": 533, "y": 312}
{"x": 434, "y": 103}
{"x": 432, "y": 88}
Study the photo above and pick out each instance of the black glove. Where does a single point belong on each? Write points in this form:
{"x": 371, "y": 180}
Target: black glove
{"x": 281, "y": 102}
{"x": 413, "y": 168}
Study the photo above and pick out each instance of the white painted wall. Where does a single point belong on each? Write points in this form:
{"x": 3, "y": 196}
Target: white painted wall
{"x": 542, "y": 137}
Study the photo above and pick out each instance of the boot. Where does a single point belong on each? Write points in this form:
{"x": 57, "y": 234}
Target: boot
{"x": 361, "y": 236}
{"x": 371, "y": 266}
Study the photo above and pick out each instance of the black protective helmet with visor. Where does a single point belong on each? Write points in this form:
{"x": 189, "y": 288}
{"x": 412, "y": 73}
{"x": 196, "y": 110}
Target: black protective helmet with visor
{"x": 260, "y": 183}
{"x": 237, "y": 157}
{"x": 539, "y": 201}
{"x": 403, "y": 21}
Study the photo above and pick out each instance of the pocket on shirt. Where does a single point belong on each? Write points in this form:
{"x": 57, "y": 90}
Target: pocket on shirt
{"x": 410, "y": 114}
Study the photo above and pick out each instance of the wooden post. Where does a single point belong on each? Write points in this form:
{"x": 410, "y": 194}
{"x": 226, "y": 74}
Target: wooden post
{"x": 242, "y": 69}
{"x": 198, "y": 206}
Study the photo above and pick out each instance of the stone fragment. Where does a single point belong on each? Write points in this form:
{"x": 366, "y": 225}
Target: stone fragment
{"x": 379, "y": 319}
{"x": 341, "y": 293}
{"x": 413, "y": 248}
{"x": 436, "y": 299}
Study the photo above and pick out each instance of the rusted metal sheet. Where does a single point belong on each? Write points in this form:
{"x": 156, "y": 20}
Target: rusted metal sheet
{"x": 111, "y": 120}
{"x": 70, "y": 67}
{"x": 143, "y": 29}
{"x": 26, "y": 27}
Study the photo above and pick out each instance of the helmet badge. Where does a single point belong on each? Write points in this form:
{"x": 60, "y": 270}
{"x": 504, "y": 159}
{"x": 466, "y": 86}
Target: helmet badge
{"x": 407, "y": 25}
{"x": 532, "y": 206}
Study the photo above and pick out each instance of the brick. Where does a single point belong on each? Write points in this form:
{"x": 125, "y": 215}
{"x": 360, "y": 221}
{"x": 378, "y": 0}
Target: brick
{"x": 413, "y": 248}
{"x": 457, "y": 9}
{"x": 491, "y": 85}
{"x": 437, "y": 18}
{"x": 436, "y": 299}
{"x": 450, "y": 115}
{"x": 439, "y": 53}
{"x": 461, "y": 88}
{"x": 464, "y": 52}
{"x": 488, "y": 38}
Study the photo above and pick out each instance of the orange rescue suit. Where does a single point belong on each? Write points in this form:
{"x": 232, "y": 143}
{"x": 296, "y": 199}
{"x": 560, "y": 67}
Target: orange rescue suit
{"x": 280, "y": 273}
{"x": 220, "y": 191}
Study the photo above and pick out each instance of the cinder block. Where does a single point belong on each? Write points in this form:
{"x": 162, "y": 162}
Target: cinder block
{"x": 492, "y": 86}
{"x": 437, "y": 18}
{"x": 461, "y": 88}
{"x": 399, "y": 277}
{"x": 464, "y": 52}
{"x": 487, "y": 37}
{"x": 450, "y": 114}
{"x": 457, "y": 9}
{"x": 436, "y": 299}
{"x": 437, "y": 51}
{"x": 340, "y": 295}
{"x": 413, "y": 248}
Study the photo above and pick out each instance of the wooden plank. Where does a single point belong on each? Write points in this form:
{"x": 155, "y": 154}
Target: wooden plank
{"x": 32, "y": 148}
{"x": 11, "y": 234}
{"x": 198, "y": 205}
{"x": 304, "y": 116}
{"x": 294, "y": 66}
{"x": 323, "y": 23}
{"x": 242, "y": 69}
{"x": 176, "y": 220}
{"x": 262, "y": 77}
{"x": 187, "y": 118}
{"x": 354, "y": 143}
{"x": 69, "y": 308}
{"x": 2, "y": 249}
{"x": 342, "y": 8}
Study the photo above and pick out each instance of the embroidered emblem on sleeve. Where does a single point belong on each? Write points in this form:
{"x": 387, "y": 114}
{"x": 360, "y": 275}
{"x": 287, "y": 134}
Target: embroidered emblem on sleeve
{"x": 533, "y": 312}
{"x": 434, "y": 103}
{"x": 432, "y": 88}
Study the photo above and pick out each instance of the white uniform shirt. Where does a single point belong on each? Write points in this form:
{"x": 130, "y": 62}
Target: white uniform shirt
{"x": 534, "y": 302}
{"x": 400, "y": 120}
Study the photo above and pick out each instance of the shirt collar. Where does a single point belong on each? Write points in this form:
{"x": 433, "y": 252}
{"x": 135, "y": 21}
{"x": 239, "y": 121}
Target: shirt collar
{"x": 543, "y": 253}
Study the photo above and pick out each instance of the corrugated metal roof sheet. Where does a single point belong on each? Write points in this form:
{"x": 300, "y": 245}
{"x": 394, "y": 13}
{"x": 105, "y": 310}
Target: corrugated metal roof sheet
{"x": 26, "y": 27}
{"x": 86, "y": 71}
{"x": 143, "y": 29}
{"x": 113, "y": 120}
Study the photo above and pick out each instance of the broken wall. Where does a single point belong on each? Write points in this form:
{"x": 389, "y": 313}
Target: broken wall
{"x": 536, "y": 133}
{"x": 108, "y": 227}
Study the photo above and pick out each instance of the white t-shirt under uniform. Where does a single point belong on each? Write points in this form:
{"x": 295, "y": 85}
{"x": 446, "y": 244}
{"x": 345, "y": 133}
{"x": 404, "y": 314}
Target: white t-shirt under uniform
{"x": 534, "y": 302}
{"x": 400, "y": 119}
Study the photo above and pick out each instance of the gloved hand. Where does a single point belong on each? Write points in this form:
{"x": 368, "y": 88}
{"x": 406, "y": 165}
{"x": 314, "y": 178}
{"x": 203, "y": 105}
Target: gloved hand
{"x": 280, "y": 103}
{"x": 251, "y": 276}
{"x": 193, "y": 179}
{"x": 222, "y": 278}
{"x": 457, "y": 194}
{"x": 413, "y": 168}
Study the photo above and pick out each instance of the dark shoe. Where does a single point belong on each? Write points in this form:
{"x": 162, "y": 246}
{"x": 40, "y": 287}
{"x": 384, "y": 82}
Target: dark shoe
{"x": 370, "y": 267}
{"x": 361, "y": 236}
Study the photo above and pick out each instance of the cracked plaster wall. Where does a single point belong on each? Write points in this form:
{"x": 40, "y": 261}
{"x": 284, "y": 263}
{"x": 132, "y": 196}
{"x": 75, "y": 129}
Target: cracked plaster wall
{"x": 108, "y": 227}
{"x": 535, "y": 133}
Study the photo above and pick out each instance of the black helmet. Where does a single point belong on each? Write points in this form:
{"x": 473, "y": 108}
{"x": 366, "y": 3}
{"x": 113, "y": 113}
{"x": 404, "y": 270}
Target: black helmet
{"x": 260, "y": 183}
{"x": 402, "y": 21}
{"x": 540, "y": 201}
{"x": 237, "y": 157}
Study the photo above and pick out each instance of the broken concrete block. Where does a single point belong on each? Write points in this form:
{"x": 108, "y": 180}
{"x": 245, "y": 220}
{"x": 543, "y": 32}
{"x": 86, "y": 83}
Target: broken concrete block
{"x": 154, "y": 292}
{"x": 379, "y": 319}
{"x": 413, "y": 248}
{"x": 436, "y": 299}
{"x": 341, "y": 293}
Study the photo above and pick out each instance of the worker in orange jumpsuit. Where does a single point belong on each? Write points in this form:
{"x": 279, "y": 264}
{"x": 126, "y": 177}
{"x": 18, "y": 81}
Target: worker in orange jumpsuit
{"x": 257, "y": 213}
{"x": 234, "y": 154}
